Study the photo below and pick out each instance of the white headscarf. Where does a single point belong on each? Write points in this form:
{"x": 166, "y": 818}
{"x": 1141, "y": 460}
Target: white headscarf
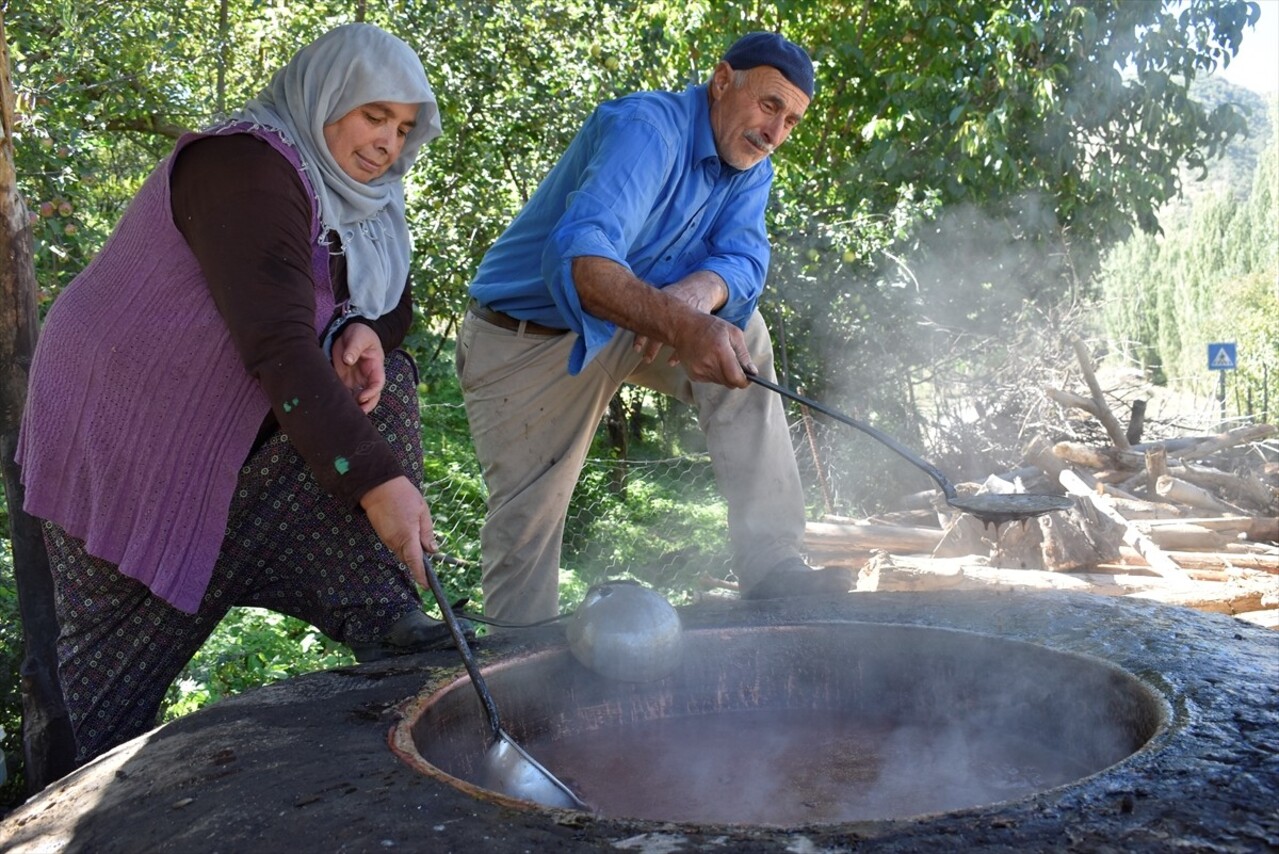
{"x": 346, "y": 67}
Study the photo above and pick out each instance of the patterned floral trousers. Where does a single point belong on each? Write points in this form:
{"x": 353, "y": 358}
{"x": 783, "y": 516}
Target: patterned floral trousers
{"x": 290, "y": 546}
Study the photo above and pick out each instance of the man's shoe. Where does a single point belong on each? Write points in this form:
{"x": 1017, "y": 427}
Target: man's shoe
{"x": 414, "y": 632}
{"x": 793, "y": 577}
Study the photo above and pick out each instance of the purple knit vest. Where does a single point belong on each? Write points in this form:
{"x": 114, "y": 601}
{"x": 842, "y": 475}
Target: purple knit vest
{"x": 139, "y": 411}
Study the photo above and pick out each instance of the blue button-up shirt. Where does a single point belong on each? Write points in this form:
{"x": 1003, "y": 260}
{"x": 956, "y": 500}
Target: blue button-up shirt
{"x": 642, "y": 185}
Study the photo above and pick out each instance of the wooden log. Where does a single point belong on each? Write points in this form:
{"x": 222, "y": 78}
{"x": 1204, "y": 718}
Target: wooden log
{"x": 1209, "y": 560}
{"x": 894, "y": 518}
{"x": 1177, "y": 443}
{"x": 1207, "y": 596}
{"x": 1019, "y": 545}
{"x": 1098, "y": 459}
{"x": 1039, "y": 453}
{"x": 1136, "y": 422}
{"x": 904, "y": 574}
{"x": 1028, "y": 475}
{"x": 1126, "y": 571}
{"x": 825, "y": 537}
{"x": 1073, "y": 541}
{"x": 1118, "y": 436}
{"x": 834, "y": 519}
{"x": 1243, "y": 487}
{"x": 1187, "y": 537}
{"x": 1156, "y": 467}
{"x": 914, "y": 574}
{"x": 1247, "y": 488}
{"x": 962, "y": 534}
{"x": 1134, "y": 459}
{"x": 1229, "y": 439}
{"x": 899, "y": 518}
{"x": 923, "y": 574}
{"x": 926, "y": 499}
{"x": 1263, "y": 529}
{"x": 1114, "y": 490}
{"x": 868, "y": 576}
{"x": 1267, "y": 619}
{"x": 1232, "y": 595}
{"x": 1034, "y": 477}
{"x": 847, "y": 560}
{"x": 706, "y": 581}
{"x": 1245, "y": 547}
{"x": 1071, "y": 400}
{"x": 1258, "y": 528}
{"x": 1138, "y": 509}
{"x": 1157, "y": 560}
{"x": 1182, "y": 492}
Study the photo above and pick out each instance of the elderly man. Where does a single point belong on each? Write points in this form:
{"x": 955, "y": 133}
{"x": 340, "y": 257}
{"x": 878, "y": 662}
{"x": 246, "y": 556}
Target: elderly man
{"x": 640, "y": 259}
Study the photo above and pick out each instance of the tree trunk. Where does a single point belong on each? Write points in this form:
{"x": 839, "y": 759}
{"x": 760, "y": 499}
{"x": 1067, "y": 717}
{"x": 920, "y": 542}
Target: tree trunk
{"x": 48, "y": 741}
{"x": 615, "y": 421}
{"x": 1117, "y": 434}
{"x": 224, "y": 51}
{"x": 1155, "y": 557}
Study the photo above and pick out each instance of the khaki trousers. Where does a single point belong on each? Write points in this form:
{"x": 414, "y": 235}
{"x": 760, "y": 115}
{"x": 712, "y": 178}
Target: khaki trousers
{"x": 532, "y": 425}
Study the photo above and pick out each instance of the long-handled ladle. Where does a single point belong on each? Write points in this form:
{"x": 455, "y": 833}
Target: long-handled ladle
{"x": 506, "y": 767}
{"x": 990, "y": 508}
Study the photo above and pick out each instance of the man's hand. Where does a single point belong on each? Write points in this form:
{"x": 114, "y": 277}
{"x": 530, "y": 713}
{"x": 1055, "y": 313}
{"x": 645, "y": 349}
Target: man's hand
{"x": 711, "y": 350}
{"x": 402, "y": 520}
{"x": 359, "y": 361}
{"x": 701, "y": 291}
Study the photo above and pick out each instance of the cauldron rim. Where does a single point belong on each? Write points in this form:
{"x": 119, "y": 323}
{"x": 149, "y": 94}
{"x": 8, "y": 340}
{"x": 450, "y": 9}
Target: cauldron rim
{"x": 402, "y": 742}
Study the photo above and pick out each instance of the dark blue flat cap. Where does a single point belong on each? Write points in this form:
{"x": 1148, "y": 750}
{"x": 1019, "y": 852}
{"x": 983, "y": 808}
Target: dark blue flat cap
{"x": 787, "y": 57}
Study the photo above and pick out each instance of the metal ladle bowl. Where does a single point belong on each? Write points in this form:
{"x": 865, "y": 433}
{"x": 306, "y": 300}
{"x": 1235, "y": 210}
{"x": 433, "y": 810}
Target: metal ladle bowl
{"x": 625, "y": 631}
{"x": 506, "y": 767}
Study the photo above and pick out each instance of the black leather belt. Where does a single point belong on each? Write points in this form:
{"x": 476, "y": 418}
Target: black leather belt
{"x": 505, "y": 321}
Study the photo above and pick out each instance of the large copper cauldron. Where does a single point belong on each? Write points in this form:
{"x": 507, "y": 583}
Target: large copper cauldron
{"x": 795, "y": 724}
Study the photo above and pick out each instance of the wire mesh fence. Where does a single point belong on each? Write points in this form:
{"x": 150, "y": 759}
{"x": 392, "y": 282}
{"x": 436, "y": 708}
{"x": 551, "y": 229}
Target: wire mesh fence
{"x": 655, "y": 514}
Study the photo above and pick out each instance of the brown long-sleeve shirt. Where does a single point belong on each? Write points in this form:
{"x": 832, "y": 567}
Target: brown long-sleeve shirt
{"x": 246, "y": 215}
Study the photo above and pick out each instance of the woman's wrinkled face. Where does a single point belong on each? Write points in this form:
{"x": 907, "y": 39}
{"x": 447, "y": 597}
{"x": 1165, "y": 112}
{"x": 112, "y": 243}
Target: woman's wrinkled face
{"x": 368, "y": 140}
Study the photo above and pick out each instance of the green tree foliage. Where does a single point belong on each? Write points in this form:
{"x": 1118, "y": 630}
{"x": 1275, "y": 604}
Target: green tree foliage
{"x": 256, "y": 647}
{"x": 104, "y": 90}
{"x": 1043, "y": 130}
{"x": 1053, "y": 122}
{"x": 1213, "y": 276}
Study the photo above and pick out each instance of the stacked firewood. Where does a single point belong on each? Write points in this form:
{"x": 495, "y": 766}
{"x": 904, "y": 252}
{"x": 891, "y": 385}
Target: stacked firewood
{"x": 1192, "y": 521}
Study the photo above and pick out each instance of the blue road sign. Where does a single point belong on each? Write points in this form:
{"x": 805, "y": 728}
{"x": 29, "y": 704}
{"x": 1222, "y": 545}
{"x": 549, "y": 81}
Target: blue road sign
{"x": 1221, "y": 356}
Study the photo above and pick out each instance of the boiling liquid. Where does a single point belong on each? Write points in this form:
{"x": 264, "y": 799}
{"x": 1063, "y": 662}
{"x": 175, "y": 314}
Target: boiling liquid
{"x": 786, "y": 767}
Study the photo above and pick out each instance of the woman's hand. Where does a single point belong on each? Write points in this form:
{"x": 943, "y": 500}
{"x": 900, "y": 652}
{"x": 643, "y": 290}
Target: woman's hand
{"x": 359, "y": 361}
{"x": 402, "y": 520}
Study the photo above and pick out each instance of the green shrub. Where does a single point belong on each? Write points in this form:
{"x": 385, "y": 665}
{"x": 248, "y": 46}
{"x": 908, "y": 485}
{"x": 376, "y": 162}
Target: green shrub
{"x": 249, "y": 648}
{"x": 14, "y": 789}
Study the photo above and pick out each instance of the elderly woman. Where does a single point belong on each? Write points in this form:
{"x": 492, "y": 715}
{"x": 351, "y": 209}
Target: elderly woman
{"x": 217, "y": 413}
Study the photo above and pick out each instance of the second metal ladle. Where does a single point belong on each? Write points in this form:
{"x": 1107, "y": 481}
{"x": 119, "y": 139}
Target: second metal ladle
{"x": 994, "y": 509}
{"x": 507, "y": 767}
